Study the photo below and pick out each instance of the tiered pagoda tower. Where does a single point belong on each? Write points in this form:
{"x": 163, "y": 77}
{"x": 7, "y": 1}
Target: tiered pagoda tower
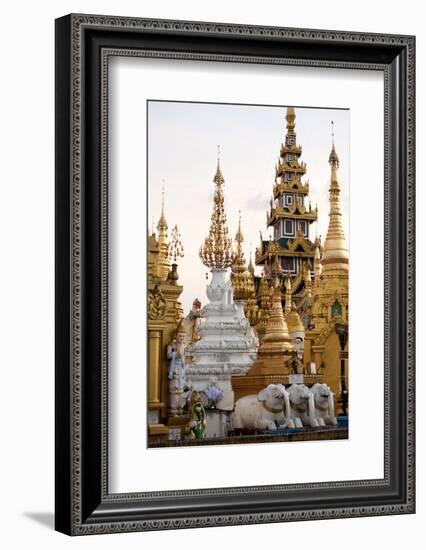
{"x": 290, "y": 214}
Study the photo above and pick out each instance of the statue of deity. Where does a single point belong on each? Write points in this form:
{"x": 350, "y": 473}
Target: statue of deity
{"x": 176, "y": 373}
{"x": 196, "y": 426}
{"x": 299, "y": 346}
{"x": 190, "y": 324}
{"x": 294, "y": 364}
{"x": 195, "y": 317}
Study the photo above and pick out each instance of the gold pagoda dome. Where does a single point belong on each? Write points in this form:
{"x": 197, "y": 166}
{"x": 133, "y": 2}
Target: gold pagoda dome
{"x": 335, "y": 253}
{"x": 276, "y": 339}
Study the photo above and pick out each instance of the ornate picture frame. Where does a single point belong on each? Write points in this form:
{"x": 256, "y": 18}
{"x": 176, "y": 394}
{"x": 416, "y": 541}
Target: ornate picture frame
{"x": 84, "y": 504}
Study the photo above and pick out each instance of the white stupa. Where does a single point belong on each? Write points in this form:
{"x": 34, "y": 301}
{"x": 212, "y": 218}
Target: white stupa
{"x": 227, "y": 347}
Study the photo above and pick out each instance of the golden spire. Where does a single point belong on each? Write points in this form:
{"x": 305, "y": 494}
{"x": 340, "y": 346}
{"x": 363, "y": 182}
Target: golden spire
{"x": 291, "y": 120}
{"x": 264, "y": 305}
{"x": 162, "y": 223}
{"x": 216, "y": 251}
{"x": 276, "y": 267}
{"x": 250, "y": 266}
{"x": 218, "y": 178}
{"x": 239, "y": 237}
{"x": 251, "y": 308}
{"x": 307, "y": 279}
{"x": 317, "y": 265}
{"x": 163, "y": 267}
{"x": 333, "y": 159}
{"x": 294, "y": 323}
{"x": 240, "y": 277}
{"x": 335, "y": 254}
{"x": 276, "y": 339}
{"x": 287, "y": 286}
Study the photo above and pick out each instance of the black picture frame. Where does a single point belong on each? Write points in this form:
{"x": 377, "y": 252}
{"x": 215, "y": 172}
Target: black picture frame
{"x": 83, "y": 504}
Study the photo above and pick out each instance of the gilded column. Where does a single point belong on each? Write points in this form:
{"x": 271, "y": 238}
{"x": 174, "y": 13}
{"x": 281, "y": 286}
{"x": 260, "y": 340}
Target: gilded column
{"x": 154, "y": 375}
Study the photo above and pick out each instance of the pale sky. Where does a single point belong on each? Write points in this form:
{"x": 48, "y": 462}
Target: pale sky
{"x": 182, "y": 151}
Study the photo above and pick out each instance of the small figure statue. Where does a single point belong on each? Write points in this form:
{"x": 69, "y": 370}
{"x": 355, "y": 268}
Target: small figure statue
{"x": 176, "y": 374}
{"x": 195, "y": 317}
{"x": 294, "y": 364}
{"x": 173, "y": 276}
{"x": 214, "y": 393}
{"x": 190, "y": 324}
{"x": 299, "y": 346}
{"x": 196, "y": 426}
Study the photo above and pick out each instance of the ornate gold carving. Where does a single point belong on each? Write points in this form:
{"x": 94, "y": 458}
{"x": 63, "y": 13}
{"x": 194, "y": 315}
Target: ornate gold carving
{"x": 278, "y": 212}
{"x": 327, "y": 330}
{"x": 292, "y": 186}
{"x": 216, "y": 251}
{"x": 156, "y": 303}
{"x": 300, "y": 240}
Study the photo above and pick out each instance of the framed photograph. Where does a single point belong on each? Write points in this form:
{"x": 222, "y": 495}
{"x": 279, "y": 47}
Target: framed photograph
{"x": 234, "y": 274}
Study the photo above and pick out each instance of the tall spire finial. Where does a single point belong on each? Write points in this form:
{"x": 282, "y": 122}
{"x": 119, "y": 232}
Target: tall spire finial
{"x": 163, "y": 242}
{"x": 333, "y": 158}
{"x": 216, "y": 251}
{"x": 239, "y": 236}
{"x": 335, "y": 252}
{"x": 250, "y": 266}
{"x": 218, "y": 178}
{"x": 162, "y": 223}
{"x": 240, "y": 277}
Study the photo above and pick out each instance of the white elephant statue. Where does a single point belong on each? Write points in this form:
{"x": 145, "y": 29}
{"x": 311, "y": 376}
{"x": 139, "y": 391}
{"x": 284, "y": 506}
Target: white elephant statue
{"x": 324, "y": 405}
{"x": 268, "y": 410}
{"x": 302, "y": 406}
